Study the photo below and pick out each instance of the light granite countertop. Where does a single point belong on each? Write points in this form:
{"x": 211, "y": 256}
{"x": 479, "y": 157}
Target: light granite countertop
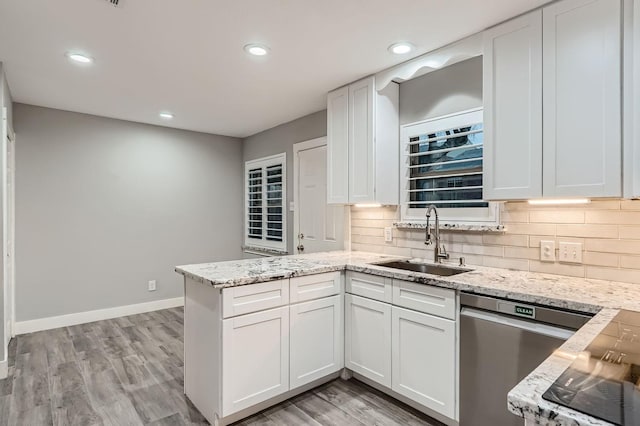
{"x": 603, "y": 298}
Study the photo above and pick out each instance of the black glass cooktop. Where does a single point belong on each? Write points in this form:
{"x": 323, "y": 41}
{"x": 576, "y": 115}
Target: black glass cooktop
{"x": 604, "y": 380}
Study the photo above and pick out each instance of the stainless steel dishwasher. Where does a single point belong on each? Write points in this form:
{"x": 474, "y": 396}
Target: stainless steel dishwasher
{"x": 501, "y": 342}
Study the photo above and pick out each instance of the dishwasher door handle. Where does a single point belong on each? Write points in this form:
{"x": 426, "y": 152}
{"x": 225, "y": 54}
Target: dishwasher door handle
{"x": 533, "y": 327}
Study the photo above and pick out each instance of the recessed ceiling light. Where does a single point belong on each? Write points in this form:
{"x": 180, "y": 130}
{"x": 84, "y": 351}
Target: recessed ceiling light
{"x": 79, "y": 58}
{"x": 401, "y": 48}
{"x": 166, "y": 115}
{"x": 256, "y": 49}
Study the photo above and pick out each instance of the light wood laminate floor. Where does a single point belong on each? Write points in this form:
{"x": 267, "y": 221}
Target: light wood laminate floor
{"x": 129, "y": 371}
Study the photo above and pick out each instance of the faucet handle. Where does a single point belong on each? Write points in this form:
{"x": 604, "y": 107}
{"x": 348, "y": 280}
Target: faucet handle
{"x": 443, "y": 249}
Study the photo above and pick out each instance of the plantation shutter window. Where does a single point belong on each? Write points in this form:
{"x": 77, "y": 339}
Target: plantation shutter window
{"x": 265, "y": 202}
{"x": 442, "y": 164}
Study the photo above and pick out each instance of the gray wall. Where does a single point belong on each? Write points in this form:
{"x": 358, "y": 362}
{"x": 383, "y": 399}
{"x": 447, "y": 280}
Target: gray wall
{"x": 446, "y": 91}
{"x": 103, "y": 206}
{"x": 281, "y": 139}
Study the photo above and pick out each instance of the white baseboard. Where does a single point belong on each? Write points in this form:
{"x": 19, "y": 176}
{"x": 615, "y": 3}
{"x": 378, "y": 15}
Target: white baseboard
{"x": 4, "y": 368}
{"x": 24, "y": 327}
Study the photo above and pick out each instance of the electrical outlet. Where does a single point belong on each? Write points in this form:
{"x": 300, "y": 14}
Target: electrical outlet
{"x": 152, "y": 285}
{"x": 548, "y": 251}
{"x": 388, "y": 234}
{"x": 570, "y": 252}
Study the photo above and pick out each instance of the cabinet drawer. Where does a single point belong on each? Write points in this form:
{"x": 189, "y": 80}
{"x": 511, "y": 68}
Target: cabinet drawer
{"x": 425, "y": 298}
{"x": 254, "y": 297}
{"x": 371, "y": 286}
{"x": 315, "y": 286}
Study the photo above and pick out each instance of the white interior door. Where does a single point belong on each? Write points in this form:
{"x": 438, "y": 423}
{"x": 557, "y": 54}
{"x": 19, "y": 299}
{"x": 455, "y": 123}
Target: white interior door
{"x": 8, "y": 225}
{"x": 10, "y": 266}
{"x": 318, "y": 226}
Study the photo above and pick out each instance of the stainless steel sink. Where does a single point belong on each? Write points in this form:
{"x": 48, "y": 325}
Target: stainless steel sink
{"x": 426, "y": 268}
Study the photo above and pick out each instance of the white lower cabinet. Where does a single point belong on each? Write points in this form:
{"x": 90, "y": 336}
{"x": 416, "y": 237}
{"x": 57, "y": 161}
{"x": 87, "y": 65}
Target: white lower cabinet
{"x": 368, "y": 338}
{"x": 316, "y": 339}
{"x": 255, "y": 358}
{"x": 424, "y": 359}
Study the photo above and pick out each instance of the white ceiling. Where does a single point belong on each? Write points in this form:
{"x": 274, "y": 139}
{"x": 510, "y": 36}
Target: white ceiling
{"x": 186, "y": 56}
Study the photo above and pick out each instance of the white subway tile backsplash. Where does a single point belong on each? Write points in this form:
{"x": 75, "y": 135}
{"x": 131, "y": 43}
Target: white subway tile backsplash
{"x": 366, "y": 239}
{"x": 506, "y": 240}
{"x": 374, "y": 232}
{"x": 556, "y": 216}
{"x": 532, "y": 228}
{"x": 609, "y": 231}
{"x": 630, "y": 204}
{"x": 556, "y": 268}
{"x": 371, "y": 223}
{"x": 629, "y": 232}
{"x": 483, "y": 250}
{"x": 367, "y": 213}
{"x": 613, "y": 274}
{"x": 630, "y": 262}
{"x": 522, "y": 253}
{"x": 501, "y": 262}
{"x": 534, "y": 240}
{"x": 514, "y": 216}
{"x": 613, "y": 217}
{"x": 613, "y": 246}
{"x": 397, "y": 251}
{"x": 601, "y": 259}
{"x": 591, "y": 230}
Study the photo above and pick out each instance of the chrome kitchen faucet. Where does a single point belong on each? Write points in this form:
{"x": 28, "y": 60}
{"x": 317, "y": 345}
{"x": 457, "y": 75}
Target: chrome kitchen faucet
{"x": 438, "y": 253}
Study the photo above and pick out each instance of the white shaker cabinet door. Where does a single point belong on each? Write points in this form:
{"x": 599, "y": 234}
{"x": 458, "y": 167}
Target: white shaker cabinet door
{"x": 424, "y": 359}
{"x": 361, "y": 142}
{"x": 512, "y": 74}
{"x": 338, "y": 146}
{"x": 255, "y": 358}
{"x": 368, "y": 338}
{"x": 317, "y": 340}
{"x": 582, "y": 99}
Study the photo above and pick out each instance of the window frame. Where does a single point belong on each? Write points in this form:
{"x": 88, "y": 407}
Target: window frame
{"x": 464, "y": 215}
{"x": 263, "y": 163}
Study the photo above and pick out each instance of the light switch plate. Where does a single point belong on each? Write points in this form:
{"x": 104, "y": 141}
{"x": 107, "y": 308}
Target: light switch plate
{"x": 388, "y": 234}
{"x": 570, "y": 252}
{"x": 548, "y": 251}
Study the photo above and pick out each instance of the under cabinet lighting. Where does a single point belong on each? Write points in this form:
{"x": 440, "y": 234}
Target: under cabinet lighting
{"x": 166, "y": 115}
{"x": 368, "y": 205}
{"x": 552, "y": 201}
{"x": 401, "y": 48}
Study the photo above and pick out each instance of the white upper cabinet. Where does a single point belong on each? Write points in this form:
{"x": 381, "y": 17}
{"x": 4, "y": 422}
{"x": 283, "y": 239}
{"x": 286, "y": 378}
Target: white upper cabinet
{"x": 338, "y": 146}
{"x": 361, "y": 141}
{"x": 631, "y": 99}
{"x": 582, "y": 98}
{"x": 552, "y": 99}
{"x": 363, "y": 144}
{"x": 512, "y": 97}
